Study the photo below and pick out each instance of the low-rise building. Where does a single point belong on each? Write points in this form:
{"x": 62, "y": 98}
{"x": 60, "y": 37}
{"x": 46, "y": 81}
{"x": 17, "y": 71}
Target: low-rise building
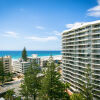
{"x": 35, "y": 59}
{"x": 56, "y": 59}
{"x": 44, "y": 63}
{"x": 20, "y": 66}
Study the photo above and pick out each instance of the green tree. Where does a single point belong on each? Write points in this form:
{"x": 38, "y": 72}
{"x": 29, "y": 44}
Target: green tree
{"x": 24, "y": 54}
{"x": 9, "y": 76}
{"x": 24, "y": 90}
{"x": 52, "y": 88}
{"x": 9, "y": 94}
{"x": 87, "y": 86}
{"x": 2, "y": 73}
{"x": 76, "y": 96}
{"x": 18, "y": 98}
{"x": 31, "y": 84}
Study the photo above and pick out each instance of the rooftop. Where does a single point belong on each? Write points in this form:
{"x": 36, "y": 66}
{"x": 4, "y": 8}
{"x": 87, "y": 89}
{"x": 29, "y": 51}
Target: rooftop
{"x": 81, "y": 25}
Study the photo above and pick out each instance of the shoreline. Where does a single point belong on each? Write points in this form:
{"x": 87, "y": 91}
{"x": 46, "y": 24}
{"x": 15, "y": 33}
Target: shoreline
{"x": 42, "y": 57}
{"x": 55, "y": 57}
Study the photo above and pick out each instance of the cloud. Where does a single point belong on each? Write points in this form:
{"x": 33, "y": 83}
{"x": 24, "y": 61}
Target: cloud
{"x": 56, "y": 33}
{"x": 11, "y": 34}
{"x": 40, "y": 27}
{"x": 95, "y": 11}
{"x": 73, "y": 25}
{"x": 43, "y": 39}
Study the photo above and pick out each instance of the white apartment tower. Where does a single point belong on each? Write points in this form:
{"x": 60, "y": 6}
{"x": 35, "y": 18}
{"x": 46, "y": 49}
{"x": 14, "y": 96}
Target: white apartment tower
{"x": 80, "y": 47}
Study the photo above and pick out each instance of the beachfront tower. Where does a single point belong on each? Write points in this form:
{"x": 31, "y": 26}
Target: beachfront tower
{"x": 80, "y": 47}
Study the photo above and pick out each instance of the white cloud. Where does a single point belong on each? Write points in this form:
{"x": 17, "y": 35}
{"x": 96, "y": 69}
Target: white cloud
{"x": 43, "y": 39}
{"x": 40, "y": 27}
{"x": 73, "y": 25}
{"x": 11, "y": 34}
{"x": 56, "y": 33}
{"x": 95, "y": 11}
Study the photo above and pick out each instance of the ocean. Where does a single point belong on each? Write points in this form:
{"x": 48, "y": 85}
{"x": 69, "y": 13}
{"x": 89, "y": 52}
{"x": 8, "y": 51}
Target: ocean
{"x": 17, "y": 54}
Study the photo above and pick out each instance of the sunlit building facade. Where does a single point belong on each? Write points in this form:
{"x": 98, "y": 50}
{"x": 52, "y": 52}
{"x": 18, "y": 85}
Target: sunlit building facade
{"x": 7, "y": 63}
{"x": 81, "y": 47}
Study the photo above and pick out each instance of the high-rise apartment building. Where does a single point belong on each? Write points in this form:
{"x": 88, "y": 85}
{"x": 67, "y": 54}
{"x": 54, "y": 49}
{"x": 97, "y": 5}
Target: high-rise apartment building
{"x": 80, "y": 48}
{"x": 7, "y": 63}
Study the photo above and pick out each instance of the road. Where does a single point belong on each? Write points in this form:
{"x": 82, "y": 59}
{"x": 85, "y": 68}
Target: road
{"x": 12, "y": 85}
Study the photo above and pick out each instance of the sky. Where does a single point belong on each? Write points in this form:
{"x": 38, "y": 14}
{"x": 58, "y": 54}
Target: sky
{"x": 37, "y": 24}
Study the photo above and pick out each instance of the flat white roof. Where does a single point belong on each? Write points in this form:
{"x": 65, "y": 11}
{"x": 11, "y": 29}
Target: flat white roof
{"x": 26, "y": 62}
{"x": 6, "y": 57}
{"x": 82, "y": 25}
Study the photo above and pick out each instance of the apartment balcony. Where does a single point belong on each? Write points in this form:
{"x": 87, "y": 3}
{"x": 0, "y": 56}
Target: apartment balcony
{"x": 68, "y": 34}
{"x": 96, "y": 67}
{"x": 68, "y": 80}
{"x": 95, "y": 74}
{"x": 71, "y": 73}
{"x": 95, "y": 28}
{"x": 96, "y": 83}
{"x": 80, "y": 75}
{"x": 82, "y": 39}
{"x": 95, "y": 33}
{"x": 95, "y": 38}
{"x": 81, "y": 31}
{"x": 84, "y": 35}
{"x": 98, "y": 90}
{"x": 69, "y": 76}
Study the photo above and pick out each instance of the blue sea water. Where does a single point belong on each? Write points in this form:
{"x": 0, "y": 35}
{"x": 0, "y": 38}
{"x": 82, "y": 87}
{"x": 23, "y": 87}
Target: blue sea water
{"x": 17, "y": 54}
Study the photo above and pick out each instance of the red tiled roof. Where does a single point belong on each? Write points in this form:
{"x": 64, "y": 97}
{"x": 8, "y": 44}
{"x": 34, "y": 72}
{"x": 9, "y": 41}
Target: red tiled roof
{"x": 69, "y": 92}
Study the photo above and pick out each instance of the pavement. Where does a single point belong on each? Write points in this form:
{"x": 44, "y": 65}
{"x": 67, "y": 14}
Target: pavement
{"x": 11, "y": 85}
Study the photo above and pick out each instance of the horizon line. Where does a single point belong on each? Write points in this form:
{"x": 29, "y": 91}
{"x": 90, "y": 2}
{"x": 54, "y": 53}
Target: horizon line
{"x": 30, "y": 50}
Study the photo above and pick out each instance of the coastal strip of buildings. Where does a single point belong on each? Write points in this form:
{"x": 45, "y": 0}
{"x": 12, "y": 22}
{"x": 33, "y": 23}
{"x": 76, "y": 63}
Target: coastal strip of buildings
{"x": 19, "y": 66}
{"x": 81, "y": 47}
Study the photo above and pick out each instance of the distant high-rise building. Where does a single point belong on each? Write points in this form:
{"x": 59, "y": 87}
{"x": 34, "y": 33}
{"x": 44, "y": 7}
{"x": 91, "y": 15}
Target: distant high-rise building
{"x": 7, "y": 63}
{"x": 80, "y": 47}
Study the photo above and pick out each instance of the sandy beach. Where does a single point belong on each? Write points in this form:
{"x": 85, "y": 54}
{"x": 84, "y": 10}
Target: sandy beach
{"x": 56, "y": 57}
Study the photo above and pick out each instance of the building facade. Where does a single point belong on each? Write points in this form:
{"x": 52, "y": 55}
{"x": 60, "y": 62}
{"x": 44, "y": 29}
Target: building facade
{"x": 20, "y": 66}
{"x": 35, "y": 59}
{"x": 80, "y": 48}
{"x": 7, "y": 63}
